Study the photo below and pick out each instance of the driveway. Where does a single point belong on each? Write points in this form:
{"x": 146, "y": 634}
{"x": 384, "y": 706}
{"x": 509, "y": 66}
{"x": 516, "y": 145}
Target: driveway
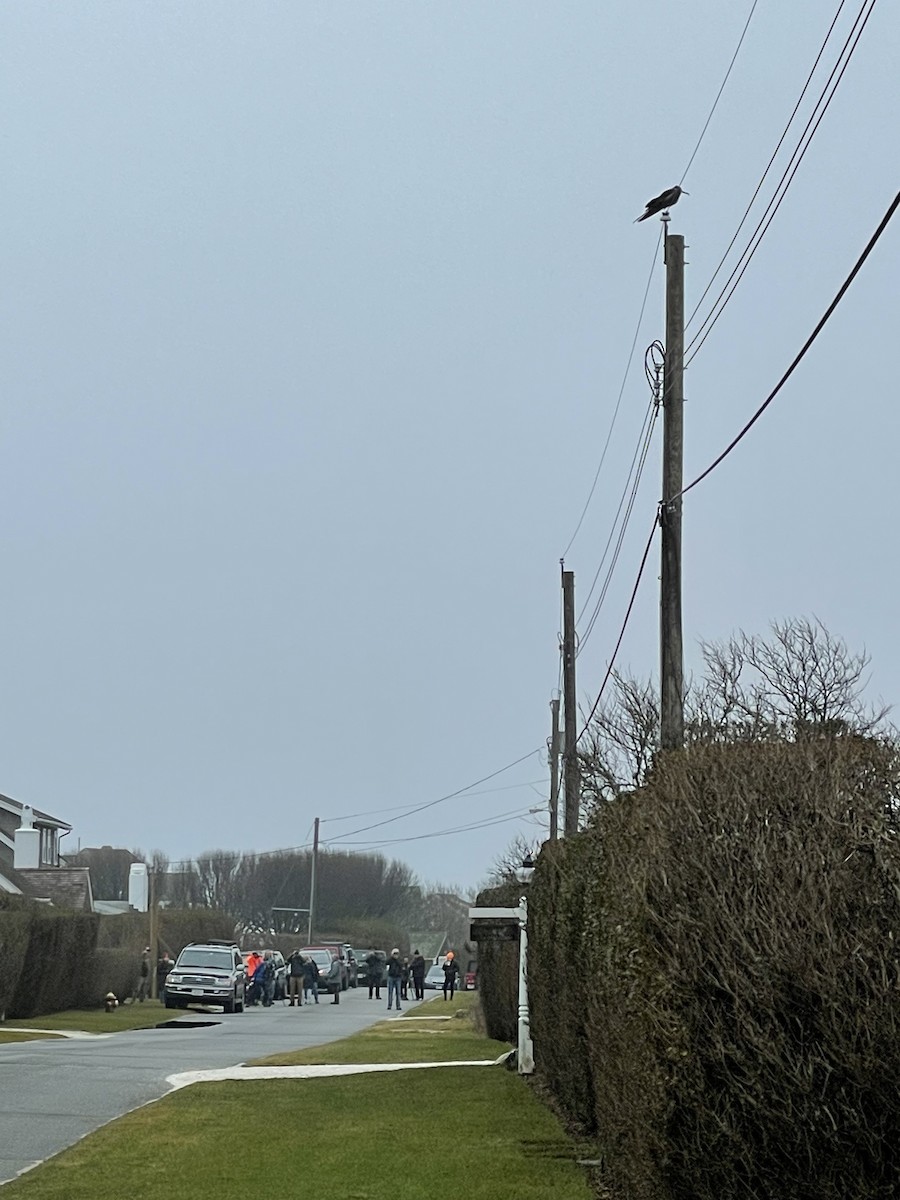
{"x": 57, "y": 1091}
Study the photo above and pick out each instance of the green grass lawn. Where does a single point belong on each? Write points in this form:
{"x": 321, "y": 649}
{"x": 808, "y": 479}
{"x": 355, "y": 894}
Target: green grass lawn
{"x": 96, "y": 1020}
{"x": 404, "y": 1040}
{"x": 394, "y": 1133}
{"x": 25, "y": 1035}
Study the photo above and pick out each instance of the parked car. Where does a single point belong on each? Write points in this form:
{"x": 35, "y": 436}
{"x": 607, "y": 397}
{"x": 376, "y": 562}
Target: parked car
{"x": 470, "y": 978}
{"x": 434, "y": 978}
{"x": 207, "y": 973}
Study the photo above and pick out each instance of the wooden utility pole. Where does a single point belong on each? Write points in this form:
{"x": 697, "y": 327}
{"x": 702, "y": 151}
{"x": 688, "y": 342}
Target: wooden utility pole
{"x": 312, "y": 883}
{"x": 554, "y": 768}
{"x": 570, "y": 754}
{"x": 153, "y": 942}
{"x": 671, "y": 681}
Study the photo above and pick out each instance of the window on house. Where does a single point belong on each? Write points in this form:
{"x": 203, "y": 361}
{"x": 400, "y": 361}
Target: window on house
{"x": 49, "y": 850}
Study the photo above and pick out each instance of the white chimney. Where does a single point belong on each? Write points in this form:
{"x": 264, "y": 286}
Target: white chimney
{"x": 27, "y": 844}
{"x": 138, "y": 887}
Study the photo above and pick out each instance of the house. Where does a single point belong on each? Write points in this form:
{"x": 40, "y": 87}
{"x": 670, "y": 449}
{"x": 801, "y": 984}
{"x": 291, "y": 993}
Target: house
{"x": 30, "y": 863}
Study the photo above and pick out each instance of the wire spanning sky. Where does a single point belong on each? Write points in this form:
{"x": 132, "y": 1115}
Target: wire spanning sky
{"x": 314, "y": 320}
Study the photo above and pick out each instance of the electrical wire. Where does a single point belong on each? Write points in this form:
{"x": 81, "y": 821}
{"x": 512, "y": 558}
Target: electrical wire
{"x": 720, "y": 91}
{"x": 885, "y": 220}
{"x": 765, "y": 173}
{"x": 487, "y": 823}
{"x": 654, "y": 362}
{"x": 721, "y": 301}
{"x": 442, "y": 799}
{"x": 628, "y": 611}
{"x": 374, "y": 812}
{"x": 612, "y": 424}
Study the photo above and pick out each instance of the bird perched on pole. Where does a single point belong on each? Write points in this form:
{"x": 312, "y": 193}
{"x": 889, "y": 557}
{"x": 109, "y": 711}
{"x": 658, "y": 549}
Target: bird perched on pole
{"x": 664, "y": 200}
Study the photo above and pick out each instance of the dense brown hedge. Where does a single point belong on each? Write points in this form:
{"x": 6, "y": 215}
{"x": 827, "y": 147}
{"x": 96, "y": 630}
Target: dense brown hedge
{"x": 498, "y": 977}
{"x": 15, "y": 924}
{"x": 714, "y": 975}
{"x": 50, "y": 958}
{"x": 55, "y": 972}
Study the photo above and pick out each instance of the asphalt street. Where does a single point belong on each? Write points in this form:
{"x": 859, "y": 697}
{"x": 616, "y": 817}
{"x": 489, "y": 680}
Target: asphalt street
{"x": 56, "y": 1091}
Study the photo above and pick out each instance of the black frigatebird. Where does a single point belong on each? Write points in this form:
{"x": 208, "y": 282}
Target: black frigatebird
{"x": 664, "y": 200}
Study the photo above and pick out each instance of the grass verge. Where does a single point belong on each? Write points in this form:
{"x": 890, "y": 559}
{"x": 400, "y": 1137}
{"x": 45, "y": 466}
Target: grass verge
{"x": 96, "y": 1020}
{"x": 25, "y": 1035}
{"x": 403, "y": 1129}
{"x": 404, "y": 1039}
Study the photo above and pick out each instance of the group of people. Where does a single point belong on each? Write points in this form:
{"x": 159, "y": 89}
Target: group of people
{"x": 141, "y": 990}
{"x": 302, "y": 977}
{"x": 398, "y": 972}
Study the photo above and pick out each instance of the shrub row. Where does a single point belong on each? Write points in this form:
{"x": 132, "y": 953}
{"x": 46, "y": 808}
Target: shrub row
{"x": 714, "y": 975}
{"x": 50, "y": 959}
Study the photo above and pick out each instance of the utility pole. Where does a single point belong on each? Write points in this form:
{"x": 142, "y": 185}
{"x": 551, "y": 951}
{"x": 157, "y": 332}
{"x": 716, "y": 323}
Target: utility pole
{"x": 554, "y": 768}
{"x": 312, "y": 882}
{"x": 671, "y": 652}
{"x": 570, "y": 754}
{"x": 153, "y": 941}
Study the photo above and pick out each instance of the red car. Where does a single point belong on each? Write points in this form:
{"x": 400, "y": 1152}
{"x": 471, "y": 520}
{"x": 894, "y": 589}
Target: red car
{"x": 470, "y": 978}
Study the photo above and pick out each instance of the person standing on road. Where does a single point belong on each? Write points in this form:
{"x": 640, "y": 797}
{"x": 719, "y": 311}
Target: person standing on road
{"x": 394, "y": 978}
{"x": 375, "y": 975}
{"x": 310, "y": 979}
{"x": 451, "y": 973}
{"x": 268, "y": 979}
{"x": 163, "y": 967}
{"x": 295, "y": 978}
{"x": 334, "y": 979}
{"x": 417, "y": 970}
{"x": 142, "y": 987}
{"x": 404, "y": 979}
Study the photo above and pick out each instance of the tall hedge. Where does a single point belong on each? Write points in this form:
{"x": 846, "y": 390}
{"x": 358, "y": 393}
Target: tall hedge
{"x": 714, "y": 975}
{"x": 57, "y": 966}
{"x": 498, "y": 978}
{"x": 15, "y": 926}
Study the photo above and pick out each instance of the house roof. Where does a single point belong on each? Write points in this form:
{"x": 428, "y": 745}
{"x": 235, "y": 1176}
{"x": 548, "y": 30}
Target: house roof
{"x": 63, "y": 887}
{"x": 42, "y": 818}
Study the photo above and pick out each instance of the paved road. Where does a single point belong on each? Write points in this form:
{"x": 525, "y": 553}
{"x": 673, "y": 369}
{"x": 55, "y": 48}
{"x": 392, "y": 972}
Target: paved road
{"x": 54, "y": 1092}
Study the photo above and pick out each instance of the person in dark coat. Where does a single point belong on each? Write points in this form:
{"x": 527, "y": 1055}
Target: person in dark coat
{"x": 310, "y": 979}
{"x": 394, "y": 975}
{"x": 417, "y": 970}
{"x": 295, "y": 978}
{"x": 163, "y": 967}
{"x": 375, "y": 976}
{"x": 451, "y": 974}
{"x": 404, "y": 979}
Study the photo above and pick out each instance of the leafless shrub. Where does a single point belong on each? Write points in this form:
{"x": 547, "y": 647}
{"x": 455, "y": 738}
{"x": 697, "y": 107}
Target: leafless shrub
{"x": 796, "y": 684}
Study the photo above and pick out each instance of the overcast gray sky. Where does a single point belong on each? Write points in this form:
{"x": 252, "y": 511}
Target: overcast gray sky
{"x": 314, "y": 318}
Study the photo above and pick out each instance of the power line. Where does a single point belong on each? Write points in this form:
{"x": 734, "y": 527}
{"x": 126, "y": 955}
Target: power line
{"x": 612, "y": 661}
{"x": 806, "y": 345}
{"x": 720, "y": 91}
{"x": 653, "y": 362}
{"x": 442, "y": 799}
{"x": 612, "y": 424}
{"x": 765, "y": 173}
{"x": 782, "y": 187}
{"x": 374, "y": 812}
{"x": 502, "y": 819}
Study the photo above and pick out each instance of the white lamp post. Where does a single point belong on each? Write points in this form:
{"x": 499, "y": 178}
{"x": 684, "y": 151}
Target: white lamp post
{"x": 494, "y": 922}
{"x": 525, "y": 1045}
